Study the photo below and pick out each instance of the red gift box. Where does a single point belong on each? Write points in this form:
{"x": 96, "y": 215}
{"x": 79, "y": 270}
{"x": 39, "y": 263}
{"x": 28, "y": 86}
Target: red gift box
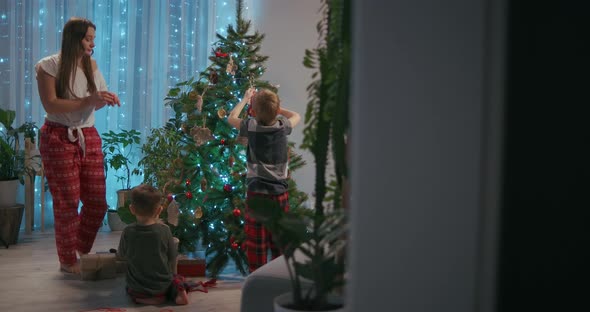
{"x": 190, "y": 266}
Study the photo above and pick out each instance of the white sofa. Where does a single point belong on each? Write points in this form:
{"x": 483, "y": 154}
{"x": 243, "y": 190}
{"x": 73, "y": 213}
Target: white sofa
{"x": 264, "y": 284}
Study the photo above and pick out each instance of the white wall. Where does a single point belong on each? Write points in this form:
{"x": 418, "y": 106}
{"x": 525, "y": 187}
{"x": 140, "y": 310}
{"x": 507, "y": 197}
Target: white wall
{"x": 289, "y": 27}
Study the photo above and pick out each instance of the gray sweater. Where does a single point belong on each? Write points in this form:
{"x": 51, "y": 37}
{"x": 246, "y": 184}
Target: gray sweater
{"x": 150, "y": 253}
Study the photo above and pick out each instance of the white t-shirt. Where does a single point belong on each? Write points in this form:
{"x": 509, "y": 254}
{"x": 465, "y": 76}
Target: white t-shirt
{"x": 77, "y": 120}
{"x": 82, "y": 118}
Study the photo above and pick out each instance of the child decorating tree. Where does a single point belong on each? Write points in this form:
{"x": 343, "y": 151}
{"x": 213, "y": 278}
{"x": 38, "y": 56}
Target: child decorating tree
{"x": 267, "y": 160}
{"x": 150, "y": 252}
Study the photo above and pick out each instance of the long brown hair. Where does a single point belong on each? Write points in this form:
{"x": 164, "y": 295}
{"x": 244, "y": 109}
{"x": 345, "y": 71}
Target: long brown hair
{"x": 71, "y": 49}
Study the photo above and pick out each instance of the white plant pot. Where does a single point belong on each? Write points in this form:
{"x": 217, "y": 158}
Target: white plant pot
{"x": 8, "y": 192}
{"x": 285, "y": 299}
{"x": 115, "y": 222}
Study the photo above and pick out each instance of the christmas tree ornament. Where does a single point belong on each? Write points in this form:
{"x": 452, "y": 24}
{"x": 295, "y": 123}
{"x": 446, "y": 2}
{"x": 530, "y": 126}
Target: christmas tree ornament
{"x": 250, "y": 111}
{"x": 188, "y": 195}
{"x": 201, "y": 135}
{"x": 219, "y": 53}
{"x": 231, "y": 66}
{"x": 199, "y": 99}
{"x": 234, "y": 245}
{"x": 203, "y": 184}
{"x": 199, "y": 213}
{"x": 221, "y": 113}
{"x": 173, "y": 212}
{"x": 199, "y": 104}
{"x": 237, "y": 212}
{"x": 227, "y": 188}
{"x": 170, "y": 197}
{"x": 187, "y": 182}
{"x": 193, "y": 95}
{"x": 230, "y": 160}
{"x": 213, "y": 78}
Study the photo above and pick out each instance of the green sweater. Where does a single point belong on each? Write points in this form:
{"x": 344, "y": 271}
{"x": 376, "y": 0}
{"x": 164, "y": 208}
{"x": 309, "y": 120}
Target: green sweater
{"x": 151, "y": 256}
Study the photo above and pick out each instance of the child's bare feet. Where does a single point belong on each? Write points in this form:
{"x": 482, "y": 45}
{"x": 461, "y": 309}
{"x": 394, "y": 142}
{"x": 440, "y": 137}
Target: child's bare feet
{"x": 74, "y": 268}
{"x": 151, "y": 301}
{"x": 182, "y": 297}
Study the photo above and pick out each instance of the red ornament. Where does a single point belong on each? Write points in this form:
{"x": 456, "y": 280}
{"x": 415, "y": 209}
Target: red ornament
{"x": 188, "y": 182}
{"x": 213, "y": 77}
{"x": 234, "y": 245}
{"x": 222, "y": 141}
{"x": 170, "y": 197}
{"x": 251, "y": 111}
{"x": 188, "y": 194}
{"x": 220, "y": 53}
{"x": 227, "y": 188}
{"x": 237, "y": 212}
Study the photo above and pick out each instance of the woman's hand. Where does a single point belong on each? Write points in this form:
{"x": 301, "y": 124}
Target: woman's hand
{"x": 102, "y": 98}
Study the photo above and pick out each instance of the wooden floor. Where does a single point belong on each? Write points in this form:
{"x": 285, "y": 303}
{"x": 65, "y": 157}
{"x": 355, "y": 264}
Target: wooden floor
{"x": 30, "y": 281}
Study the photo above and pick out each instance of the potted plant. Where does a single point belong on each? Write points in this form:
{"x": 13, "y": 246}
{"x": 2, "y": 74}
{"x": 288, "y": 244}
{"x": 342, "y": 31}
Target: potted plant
{"x": 117, "y": 148}
{"x": 12, "y": 157}
{"x": 311, "y": 244}
{"x": 13, "y": 168}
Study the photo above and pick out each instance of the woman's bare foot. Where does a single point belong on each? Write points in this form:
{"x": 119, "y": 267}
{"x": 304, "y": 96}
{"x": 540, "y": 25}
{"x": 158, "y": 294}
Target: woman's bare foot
{"x": 151, "y": 301}
{"x": 182, "y": 297}
{"x": 74, "y": 268}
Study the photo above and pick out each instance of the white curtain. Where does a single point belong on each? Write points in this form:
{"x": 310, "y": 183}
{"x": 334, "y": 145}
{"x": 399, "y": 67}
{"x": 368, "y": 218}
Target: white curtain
{"x": 142, "y": 48}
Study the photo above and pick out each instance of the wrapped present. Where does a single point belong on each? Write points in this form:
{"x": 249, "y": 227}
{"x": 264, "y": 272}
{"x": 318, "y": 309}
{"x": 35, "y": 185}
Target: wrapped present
{"x": 98, "y": 266}
{"x": 187, "y": 266}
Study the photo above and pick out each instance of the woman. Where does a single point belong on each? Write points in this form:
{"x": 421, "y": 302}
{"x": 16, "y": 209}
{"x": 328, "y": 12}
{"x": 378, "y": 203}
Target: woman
{"x": 71, "y": 88}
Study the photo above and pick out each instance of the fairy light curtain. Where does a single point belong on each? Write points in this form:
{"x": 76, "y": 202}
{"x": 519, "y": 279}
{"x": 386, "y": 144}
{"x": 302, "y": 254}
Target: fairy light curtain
{"x": 142, "y": 48}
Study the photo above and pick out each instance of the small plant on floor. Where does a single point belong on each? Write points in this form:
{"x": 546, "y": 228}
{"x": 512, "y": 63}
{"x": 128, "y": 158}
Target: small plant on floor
{"x": 319, "y": 238}
{"x": 117, "y": 148}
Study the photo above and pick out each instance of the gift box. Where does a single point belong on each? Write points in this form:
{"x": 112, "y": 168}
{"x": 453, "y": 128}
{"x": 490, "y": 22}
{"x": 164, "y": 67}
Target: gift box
{"x": 98, "y": 266}
{"x": 186, "y": 266}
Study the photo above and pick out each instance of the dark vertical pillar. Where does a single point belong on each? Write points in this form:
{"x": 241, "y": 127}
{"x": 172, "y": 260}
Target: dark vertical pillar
{"x": 545, "y": 232}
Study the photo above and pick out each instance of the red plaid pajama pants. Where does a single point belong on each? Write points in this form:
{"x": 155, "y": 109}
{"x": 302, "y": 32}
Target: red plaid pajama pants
{"x": 258, "y": 238}
{"x": 73, "y": 177}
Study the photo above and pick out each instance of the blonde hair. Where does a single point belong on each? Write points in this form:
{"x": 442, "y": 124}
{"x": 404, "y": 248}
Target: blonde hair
{"x": 267, "y": 105}
{"x": 145, "y": 199}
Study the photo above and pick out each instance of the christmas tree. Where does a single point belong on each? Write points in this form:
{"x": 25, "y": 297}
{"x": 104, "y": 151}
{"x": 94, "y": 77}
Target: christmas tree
{"x": 198, "y": 161}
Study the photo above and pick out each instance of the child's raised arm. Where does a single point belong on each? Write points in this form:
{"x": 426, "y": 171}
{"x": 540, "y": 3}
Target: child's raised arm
{"x": 233, "y": 119}
{"x": 293, "y": 117}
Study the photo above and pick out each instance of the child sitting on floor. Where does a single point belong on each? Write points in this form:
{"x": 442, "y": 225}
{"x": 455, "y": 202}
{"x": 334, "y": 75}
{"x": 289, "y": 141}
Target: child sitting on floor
{"x": 150, "y": 252}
